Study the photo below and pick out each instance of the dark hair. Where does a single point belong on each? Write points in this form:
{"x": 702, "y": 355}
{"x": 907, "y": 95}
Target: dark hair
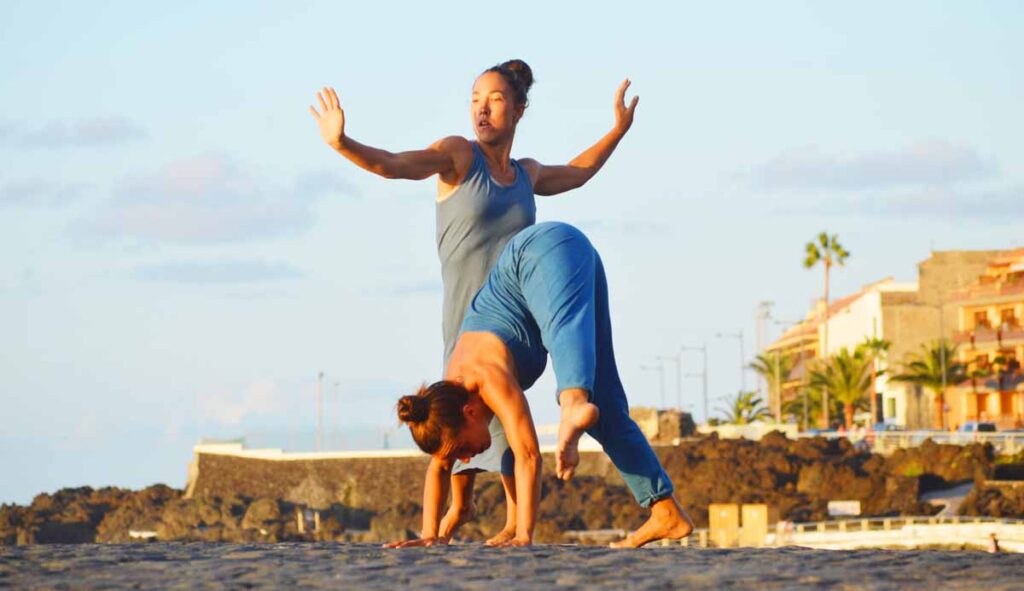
{"x": 434, "y": 413}
{"x": 518, "y": 75}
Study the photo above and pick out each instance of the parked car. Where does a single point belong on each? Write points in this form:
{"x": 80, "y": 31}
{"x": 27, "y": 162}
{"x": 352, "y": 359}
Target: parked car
{"x": 978, "y": 427}
{"x": 888, "y": 427}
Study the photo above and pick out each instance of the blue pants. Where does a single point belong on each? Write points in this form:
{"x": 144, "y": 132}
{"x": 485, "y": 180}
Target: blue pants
{"x": 549, "y": 285}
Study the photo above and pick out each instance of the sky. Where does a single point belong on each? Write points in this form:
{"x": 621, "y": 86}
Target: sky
{"x": 180, "y": 254}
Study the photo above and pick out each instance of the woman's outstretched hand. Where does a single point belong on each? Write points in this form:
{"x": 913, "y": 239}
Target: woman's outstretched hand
{"x": 332, "y": 119}
{"x": 418, "y": 543}
{"x": 623, "y": 114}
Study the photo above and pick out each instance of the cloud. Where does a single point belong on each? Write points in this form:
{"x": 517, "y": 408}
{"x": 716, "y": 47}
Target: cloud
{"x": 76, "y": 134}
{"x": 426, "y": 286}
{"x": 207, "y": 200}
{"x": 628, "y": 227}
{"x": 230, "y": 407}
{"x": 923, "y": 163}
{"x": 995, "y": 205}
{"x": 217, "y": 272}
{"x": 38, "y": 192}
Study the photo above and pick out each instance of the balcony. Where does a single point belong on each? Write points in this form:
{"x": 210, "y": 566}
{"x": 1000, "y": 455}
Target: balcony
{"x": 991, "y": 290}
{"x": 1008, "y": 335}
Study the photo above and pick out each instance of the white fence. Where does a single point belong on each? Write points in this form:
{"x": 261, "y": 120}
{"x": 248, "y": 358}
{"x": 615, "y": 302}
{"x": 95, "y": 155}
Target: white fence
{"x": 889, "y": 441}
{"x": 887, "y": 532}
{"x": 1008, "y": 443}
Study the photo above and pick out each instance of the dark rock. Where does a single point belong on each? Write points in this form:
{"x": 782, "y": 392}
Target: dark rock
{"x": 401, "y": 522}
{"x": 139, "y": 511}
{"x": 994, "y": 500}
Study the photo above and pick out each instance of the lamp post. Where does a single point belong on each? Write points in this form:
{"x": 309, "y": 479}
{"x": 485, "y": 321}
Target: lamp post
{"x": 677, "y": 359}
{"x": 762, "y": 315}
{"x": 738, "y": 336}
{"x": 703, "y": 350}
{"x": 319, "y": 411}
{"x": 660, "y": 368}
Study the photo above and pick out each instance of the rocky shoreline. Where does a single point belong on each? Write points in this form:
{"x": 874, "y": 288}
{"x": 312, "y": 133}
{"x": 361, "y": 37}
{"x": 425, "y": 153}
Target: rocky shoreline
{"x": 310, "y": 503}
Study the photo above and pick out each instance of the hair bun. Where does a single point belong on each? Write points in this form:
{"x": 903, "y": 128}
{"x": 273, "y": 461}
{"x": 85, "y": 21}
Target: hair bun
{"x": 413, "y": 409}
{"x": 522, "y": 72}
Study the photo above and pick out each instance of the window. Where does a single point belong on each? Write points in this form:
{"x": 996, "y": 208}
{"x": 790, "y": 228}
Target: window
{"x": 890, "y": 408}
{"x": 1008, "y": 319}
{"x": 981, "y": 320}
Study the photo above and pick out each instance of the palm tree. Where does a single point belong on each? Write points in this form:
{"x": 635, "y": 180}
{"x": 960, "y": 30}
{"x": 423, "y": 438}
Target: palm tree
{"x": 877, "y": 348}
{"x": 847, "y": 375}
{"x": 977, "y": 369}
{"x": 811, "y": 396}
{"x": 925, "y": 369}
{"x": 775, "y": 369}
{"x": 827, "y": 251}
{"x": 745, "y": 408}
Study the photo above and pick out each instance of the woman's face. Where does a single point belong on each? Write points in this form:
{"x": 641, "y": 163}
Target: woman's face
{"x": 493, "y": 109}
{"x": 475, "y": 436}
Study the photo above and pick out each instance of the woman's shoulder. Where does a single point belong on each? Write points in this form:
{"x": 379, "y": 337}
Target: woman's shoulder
{"x": 454, "y": 144}
{"x": 463, "y": 157}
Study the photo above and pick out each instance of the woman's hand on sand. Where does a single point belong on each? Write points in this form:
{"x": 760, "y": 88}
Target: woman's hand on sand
{"x": 624, "y": 114}
{"x": 332, "y": 119}
{"x": 418, "y": 543}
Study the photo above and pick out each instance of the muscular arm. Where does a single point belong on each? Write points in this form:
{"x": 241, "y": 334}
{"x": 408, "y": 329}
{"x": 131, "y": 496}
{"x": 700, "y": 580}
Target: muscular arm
{"x": 552, "y": 180}
{"x": 412, "y": 165}
{"x": 435, "y": 493}
{"x": 502, "y": 394}
{"x": 449, "y": 157}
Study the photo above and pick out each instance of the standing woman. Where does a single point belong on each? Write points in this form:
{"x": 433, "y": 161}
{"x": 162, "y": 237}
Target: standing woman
{"x": 484, "y": 197}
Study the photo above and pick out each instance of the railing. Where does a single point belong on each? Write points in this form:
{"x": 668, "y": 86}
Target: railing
{"x": 991, "y": 290}
{"x": 1013, "y": 332}
{"x": 883, "y": 532}
{"x": 889, "y": 441}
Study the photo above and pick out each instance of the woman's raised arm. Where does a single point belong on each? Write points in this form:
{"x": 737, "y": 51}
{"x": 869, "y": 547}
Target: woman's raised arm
{"x": 450, "y": 157}
{"x": 552, "y": 180}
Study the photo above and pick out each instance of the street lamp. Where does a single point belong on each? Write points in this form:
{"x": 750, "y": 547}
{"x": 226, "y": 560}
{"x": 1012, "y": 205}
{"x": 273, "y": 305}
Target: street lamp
{"x": 677, "y": 359}
{"x": 703, "y": 350}
{"x": 319, "y": 411}
{"x": 660, "y": 368}
{"x": 738, "y": 336}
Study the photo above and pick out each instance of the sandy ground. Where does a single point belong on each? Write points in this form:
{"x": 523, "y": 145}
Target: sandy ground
{"x": 337, "y": 566}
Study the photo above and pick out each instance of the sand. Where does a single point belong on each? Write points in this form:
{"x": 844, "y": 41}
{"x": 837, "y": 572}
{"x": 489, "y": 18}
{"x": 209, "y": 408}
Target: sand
{"x": 473, "y": 566}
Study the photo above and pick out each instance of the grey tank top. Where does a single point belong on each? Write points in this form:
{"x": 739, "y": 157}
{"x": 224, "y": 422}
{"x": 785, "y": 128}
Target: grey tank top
{"x": 473, "y": 224}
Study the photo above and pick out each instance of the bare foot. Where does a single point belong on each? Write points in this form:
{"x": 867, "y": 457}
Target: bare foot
{"x": 578, "y": 415}
{"x": 668, "y": 521}
{"x": 503, "y": 537}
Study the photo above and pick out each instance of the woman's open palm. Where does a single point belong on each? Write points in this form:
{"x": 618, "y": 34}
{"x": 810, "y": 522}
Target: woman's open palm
{"x": 624, "y": 114}
{"x": 332, "y": 119}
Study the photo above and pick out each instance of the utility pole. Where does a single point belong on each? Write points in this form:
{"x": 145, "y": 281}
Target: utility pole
{"x": 334, "y": 441}
{"x": 319, "y": 411}
{"x": 660, "y": 368}
{"x": 677, "y": 359}
{"x": 942, "y": 361}
{"x": 703, "y": 350}
{"x": 761, "y": 316}
{"x": 743, "y": 373}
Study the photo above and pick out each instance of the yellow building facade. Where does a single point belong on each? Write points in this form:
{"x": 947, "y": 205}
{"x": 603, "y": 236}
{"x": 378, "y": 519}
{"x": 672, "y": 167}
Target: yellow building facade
{"x": 990, "y": 344}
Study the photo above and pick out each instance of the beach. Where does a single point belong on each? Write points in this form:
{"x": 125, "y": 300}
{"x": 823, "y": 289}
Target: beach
{"x": 474, "y": 566}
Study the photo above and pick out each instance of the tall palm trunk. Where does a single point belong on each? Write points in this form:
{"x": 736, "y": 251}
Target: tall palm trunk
{"x": 824, "y": 355}
{"x": 848, "y": 415}
{"x": 874, "y": 392}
